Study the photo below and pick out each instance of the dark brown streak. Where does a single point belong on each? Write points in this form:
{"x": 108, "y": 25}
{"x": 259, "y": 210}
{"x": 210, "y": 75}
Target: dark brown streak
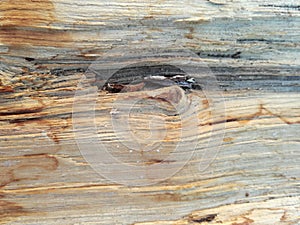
{"x": 23, "y": 111}
{"x": 158, "y": 98}
{"x": 206, "y": 218}
{"x": 155, "y": 161}
{"x": 61, "y": 116}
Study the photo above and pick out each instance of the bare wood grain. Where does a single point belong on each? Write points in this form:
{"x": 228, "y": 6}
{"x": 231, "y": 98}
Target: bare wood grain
{"x": 251, "y": 47}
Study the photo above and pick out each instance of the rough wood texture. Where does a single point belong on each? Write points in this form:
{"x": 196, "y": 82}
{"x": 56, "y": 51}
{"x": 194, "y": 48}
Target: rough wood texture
{"x": 251, "y": 47}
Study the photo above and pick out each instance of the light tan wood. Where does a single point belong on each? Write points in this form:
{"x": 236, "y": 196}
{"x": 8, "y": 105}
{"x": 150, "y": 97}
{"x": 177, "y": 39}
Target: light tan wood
{"x": 251, "y": 47}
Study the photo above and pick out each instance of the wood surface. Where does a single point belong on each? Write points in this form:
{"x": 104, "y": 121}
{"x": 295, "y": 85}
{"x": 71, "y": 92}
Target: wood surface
{"x": 251, "y": 47}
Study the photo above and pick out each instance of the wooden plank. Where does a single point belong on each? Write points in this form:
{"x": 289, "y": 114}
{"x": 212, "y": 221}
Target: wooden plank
{"x": 251, "y": 48}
